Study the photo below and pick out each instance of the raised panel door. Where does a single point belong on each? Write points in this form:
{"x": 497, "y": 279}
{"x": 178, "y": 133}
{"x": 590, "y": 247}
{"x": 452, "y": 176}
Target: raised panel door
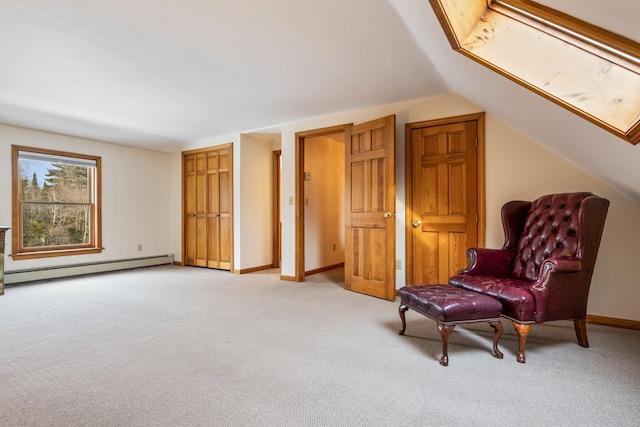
{"x": 370, "y": 216}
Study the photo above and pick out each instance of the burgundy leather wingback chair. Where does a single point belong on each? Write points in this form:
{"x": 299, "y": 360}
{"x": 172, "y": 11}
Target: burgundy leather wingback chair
{"x": 544, "y": 269}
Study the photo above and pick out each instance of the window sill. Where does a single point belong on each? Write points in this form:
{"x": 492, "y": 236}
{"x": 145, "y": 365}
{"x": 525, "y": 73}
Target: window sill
{"x": 55, "y": 253}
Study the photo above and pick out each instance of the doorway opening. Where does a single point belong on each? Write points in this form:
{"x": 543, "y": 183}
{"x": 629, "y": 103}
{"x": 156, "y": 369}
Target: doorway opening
{"x": 319, "y": 201}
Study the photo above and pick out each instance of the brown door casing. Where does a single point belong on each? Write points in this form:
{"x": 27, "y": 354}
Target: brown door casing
{"x": 299, "y": 197}
{"x": 277, "y": 216}
{"x": 445, "y": 196}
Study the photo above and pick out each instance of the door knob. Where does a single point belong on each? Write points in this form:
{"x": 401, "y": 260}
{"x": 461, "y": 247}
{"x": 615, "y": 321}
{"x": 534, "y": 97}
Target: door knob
{"x": 416, "y": 223}
{"x": 388, "y": 214}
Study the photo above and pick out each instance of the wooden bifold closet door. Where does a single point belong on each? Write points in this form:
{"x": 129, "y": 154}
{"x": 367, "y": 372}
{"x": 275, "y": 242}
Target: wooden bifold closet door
{"x": 208, "y": 229}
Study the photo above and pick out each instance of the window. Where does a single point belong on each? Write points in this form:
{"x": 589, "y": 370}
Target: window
{"x": 56, "y": 203}
{"x": 583, "y": 68}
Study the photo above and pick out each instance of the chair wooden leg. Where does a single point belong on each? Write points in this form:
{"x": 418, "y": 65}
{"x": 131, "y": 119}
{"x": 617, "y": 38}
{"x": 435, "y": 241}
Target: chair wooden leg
{"x": 523, "y": 331}
{"x": 581, "y": 332}
{"x": 401, "y": 311}
{"x": 445, "y": 331}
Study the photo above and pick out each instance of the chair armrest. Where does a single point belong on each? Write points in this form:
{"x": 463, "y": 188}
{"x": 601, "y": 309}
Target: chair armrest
{"x": 489, "y": 262}
{"x": 561, "y": 291}
{"x": 555, "y": 266}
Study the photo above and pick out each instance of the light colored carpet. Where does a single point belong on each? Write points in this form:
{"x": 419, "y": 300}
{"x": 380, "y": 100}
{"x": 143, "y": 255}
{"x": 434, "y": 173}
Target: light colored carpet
{"x": 181, "y": 346}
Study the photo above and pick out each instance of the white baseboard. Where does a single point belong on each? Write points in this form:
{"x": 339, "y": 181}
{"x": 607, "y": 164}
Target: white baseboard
{"x": 46, "y": 273}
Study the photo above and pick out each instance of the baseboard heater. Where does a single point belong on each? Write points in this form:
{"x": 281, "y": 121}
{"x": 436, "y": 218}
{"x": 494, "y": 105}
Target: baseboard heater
{"x": 57, "y": 272}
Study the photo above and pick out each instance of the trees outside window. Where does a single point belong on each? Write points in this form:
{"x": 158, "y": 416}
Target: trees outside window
{"x": 56, "y": 209}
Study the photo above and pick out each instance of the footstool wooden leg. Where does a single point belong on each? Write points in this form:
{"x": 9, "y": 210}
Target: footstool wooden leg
{"x": 401, "y": 311}
{"x": 445, "y": 332}
{"x": 497, "y": 326}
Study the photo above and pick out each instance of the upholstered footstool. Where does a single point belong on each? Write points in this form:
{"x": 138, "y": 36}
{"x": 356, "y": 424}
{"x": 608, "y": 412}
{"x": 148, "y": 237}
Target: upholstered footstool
{"x": 450, "y": 306}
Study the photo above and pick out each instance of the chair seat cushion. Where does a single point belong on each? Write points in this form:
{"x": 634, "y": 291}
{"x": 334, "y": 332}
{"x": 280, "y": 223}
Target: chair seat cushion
{"x": 514, "y": 295}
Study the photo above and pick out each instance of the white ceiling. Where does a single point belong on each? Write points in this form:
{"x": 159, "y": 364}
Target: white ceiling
{"x": 160, "y": 73}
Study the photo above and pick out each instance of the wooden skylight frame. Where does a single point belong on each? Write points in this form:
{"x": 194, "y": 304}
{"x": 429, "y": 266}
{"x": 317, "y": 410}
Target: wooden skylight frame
{"x": 586, "y": 69}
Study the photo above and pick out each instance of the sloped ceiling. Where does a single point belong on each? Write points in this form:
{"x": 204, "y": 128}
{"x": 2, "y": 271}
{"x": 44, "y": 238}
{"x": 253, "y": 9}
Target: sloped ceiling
{"x": 160, "y": 73}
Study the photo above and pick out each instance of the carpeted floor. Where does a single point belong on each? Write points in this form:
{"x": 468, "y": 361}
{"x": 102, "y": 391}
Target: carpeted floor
{"x": 181, "y": 346}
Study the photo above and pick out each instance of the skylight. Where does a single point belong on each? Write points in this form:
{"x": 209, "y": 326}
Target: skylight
{"x": 585, "y": 69}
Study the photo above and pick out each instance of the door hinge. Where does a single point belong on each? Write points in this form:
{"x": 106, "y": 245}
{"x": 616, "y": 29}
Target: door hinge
{"x": 477, "y": 218}
{"x": 476, "y": 142}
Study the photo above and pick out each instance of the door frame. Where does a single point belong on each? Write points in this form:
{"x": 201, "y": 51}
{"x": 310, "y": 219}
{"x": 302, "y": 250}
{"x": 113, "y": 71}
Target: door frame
{"x": 183, "y": 184}
{"x": 299, "y": 191}
{"x": 479, "y": 118}
{"x": 277, "y": 200}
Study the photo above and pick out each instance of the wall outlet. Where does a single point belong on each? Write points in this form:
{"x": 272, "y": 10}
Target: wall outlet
{"x": 139, "y": 247}
{"x": 398, "y": 264}
{"x": 291, "y": 200}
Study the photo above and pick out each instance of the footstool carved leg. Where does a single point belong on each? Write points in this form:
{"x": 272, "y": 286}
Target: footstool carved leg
{"x": 523, "y": 331}
{"x": 401, "y": 311}
{"x": 497, "y": 326}
{"x": 445, "y": 332}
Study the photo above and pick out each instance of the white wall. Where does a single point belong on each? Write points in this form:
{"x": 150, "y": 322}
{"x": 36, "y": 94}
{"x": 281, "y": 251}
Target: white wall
{"x": 516, "y": 168}
{"x": 136, "y": 193}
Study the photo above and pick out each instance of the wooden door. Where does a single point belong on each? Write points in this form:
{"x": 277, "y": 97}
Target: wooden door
{"x": 219, "y": 209}
{"x": 195, "y": 179}
{"x": 444, "y": 202}
{"x": 208, "y": 208}
{"x": 370, "y": 208}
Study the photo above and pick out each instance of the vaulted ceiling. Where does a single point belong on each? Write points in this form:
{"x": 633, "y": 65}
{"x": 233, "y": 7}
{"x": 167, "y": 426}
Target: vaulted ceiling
{"x": 160, "y": 73}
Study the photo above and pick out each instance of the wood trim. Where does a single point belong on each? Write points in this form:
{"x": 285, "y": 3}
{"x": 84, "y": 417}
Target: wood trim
{"x": 252, "y": 269}
{"x": 439, "y": 10}
{"x": 633, "y": 134}
{"x": 299, "y": 191}
{"x": 322, "y": 269}
{"x": 288, "y": 278}
{"x": 276, "y": 252}
{"x": 207, "y": 149}
{"x": 178, "y": 263}
{"x": 93, "y": 247}
{"x": 482, "y": 189}
{"x": 613, "y": 322}
{"x": 601, "y": 35}
{"x": 299, "y": 209}
{"x": 480, "y": 118}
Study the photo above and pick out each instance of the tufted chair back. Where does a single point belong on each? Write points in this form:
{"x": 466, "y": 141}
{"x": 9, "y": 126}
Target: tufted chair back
{"x": 552, "y": 228}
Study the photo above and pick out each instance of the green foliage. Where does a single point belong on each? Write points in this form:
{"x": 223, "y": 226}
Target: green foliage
{"x": 58, "y": 213}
